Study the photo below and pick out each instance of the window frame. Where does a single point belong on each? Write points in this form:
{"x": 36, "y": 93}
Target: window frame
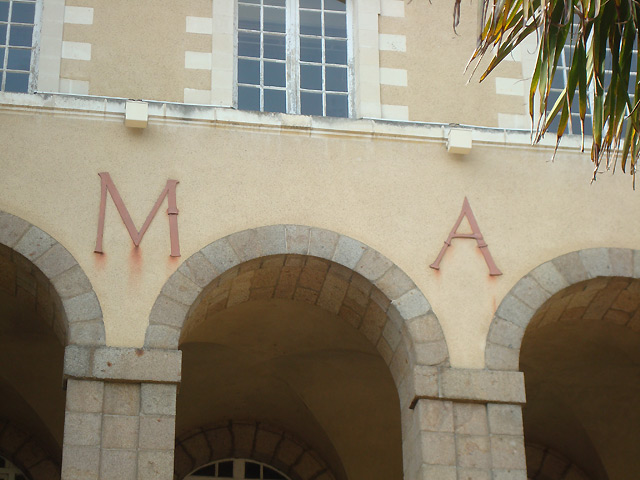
{"x": 239, "y": 472}
{"x": 35, "y": 48}
{"x": 292, "y": 61}
{"x": 566, "y": 57}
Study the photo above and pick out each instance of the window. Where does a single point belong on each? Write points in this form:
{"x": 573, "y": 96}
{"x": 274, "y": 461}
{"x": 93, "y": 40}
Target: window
{"x": 237, "y": 470}
{"x": 560, "y": 80}
{"x": 17, "y": 25}
{"x": 293, "y": 57}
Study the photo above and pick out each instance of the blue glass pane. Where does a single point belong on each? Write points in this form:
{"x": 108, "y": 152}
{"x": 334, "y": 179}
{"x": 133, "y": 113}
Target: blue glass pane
{"x": 310, "y": 23}
{"x": 249, "y": 71}
{"x": 275, "y": 47}
{"x": 20, "y": 35}
{"x": 17, "y": 82}
{"x": 3, "y": 34}
{"x": 336, "y": 79}
{"x": 335, "y": 25}
{"x": 336, "y": 51}
{"x": 311, "y": 50}
{"x": 277, "y": 3}
{"x": 19, "y": 59}
{"x": 275, "y": 101}
{"x": 275, "y": 74}
{"x": 337, "y": 106}
{"x": 315, "y": 4}
{"x": 274, "y": 20}
{"x": 338, "y": 5}
{"x": 4, "y": 11}
{"x": 1, "y": 58}
{"x": 249, "y": 17}
{"x": 311, "y": 103}
{"x": 311, "y": 77}
{"x": 248, "y": 98}
{"x": 23, "y": 12}
{"x": 248, "y": 44}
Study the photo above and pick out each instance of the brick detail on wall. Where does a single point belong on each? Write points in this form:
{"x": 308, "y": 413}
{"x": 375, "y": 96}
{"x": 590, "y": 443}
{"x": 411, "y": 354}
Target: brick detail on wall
{"x": 198, "y": 60}
{"x": 119, "y": 430}
{"x": 455, "y": 440}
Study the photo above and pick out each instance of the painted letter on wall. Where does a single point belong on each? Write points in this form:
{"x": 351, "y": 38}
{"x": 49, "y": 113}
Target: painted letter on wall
{"x": 475, "y": 229}
{"x": 169, "y": 191}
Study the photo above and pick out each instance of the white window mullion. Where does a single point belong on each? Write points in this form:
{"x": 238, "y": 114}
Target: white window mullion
{"x": 323, "y": 43}
{"x": 261, "y": 57}
{"x": 6, "y": 48}
{"x": 351, "y": 81}
{"x": 293, "y": 56}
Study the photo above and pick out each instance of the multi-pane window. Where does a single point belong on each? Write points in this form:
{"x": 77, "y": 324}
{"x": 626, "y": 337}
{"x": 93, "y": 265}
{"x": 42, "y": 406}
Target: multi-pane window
{"x": 237, "y": 469}
{"x": 17, "y": 24}
{"x": 560, "y": 80}
{"x": 293, "y": 56}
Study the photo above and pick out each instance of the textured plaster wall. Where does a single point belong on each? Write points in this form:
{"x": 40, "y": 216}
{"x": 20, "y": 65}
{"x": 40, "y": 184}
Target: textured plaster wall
{"x": 138, "y": 48}
{"x": 436, "y": 89}
{"x": 399, "y": 197}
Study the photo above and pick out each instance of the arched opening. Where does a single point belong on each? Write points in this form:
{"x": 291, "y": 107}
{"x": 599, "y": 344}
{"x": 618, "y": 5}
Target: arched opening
{"x": 46, "y": 303}
{"x": 581, "y": 359}
{"x": 288, "y": 357}
{"x": 31, "y": 359}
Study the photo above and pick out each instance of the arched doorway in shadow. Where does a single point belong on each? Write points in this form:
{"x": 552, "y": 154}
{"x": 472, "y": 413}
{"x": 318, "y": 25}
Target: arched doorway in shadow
{"x": 46, "y": 303}
{"x": 574, "y": 325}
{"x": 294, "y": 359}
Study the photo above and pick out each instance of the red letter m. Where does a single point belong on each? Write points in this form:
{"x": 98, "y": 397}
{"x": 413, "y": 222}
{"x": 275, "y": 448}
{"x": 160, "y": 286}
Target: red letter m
{"x": 136, "y": 236}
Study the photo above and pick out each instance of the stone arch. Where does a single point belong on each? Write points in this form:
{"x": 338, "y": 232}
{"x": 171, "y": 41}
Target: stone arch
{"x": 26, "y": 453}
{"x": 73, "y": 310}
{"x": 519, "y": 306}
{"x": 412, "y": 330}
{"x": 250, "y": 440}
{"x": 548, "y": 464}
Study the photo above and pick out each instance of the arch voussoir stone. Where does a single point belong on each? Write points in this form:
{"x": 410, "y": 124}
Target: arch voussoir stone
{"x": 519, "y": 306}
{"x": 239, "y": 256}
{"x": 78, "y": 316}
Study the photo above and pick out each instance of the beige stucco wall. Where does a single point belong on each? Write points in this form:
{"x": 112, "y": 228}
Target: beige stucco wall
{"x": 399, "y": 196}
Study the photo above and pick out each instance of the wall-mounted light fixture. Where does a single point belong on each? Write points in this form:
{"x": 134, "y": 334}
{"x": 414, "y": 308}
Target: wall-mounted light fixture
{"x": 136, "y": 114}
{"x": 459, "y": 141}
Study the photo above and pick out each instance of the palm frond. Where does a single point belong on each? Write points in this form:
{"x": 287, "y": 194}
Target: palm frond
{"x": 603, "y": 35}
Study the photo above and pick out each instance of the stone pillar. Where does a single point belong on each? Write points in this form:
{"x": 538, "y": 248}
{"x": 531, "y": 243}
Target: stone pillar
{"x": 120, "y": 413}
{"x": 465, "y": 425}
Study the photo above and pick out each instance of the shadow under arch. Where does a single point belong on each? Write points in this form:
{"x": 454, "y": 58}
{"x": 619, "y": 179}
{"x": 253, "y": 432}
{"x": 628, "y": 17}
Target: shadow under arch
{"x": 412, "y": 330}
{"x": 77, "y": 315}
{"x": 519, "y": 306}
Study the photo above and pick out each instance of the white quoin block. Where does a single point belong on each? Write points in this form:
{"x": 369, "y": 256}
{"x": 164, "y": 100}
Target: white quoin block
{"x": 459, "y": 141}
{"x": 136, "y": 114}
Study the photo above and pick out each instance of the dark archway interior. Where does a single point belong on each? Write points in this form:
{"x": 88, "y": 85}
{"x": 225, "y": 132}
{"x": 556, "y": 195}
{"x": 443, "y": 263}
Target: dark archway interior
{"x": 581, "y": 360}
{"x": 32, "y": 399}
{"x": 292, "y": 364}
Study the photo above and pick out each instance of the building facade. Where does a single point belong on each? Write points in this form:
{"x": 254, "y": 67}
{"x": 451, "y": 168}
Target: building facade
{"x": 285, "y": 239}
